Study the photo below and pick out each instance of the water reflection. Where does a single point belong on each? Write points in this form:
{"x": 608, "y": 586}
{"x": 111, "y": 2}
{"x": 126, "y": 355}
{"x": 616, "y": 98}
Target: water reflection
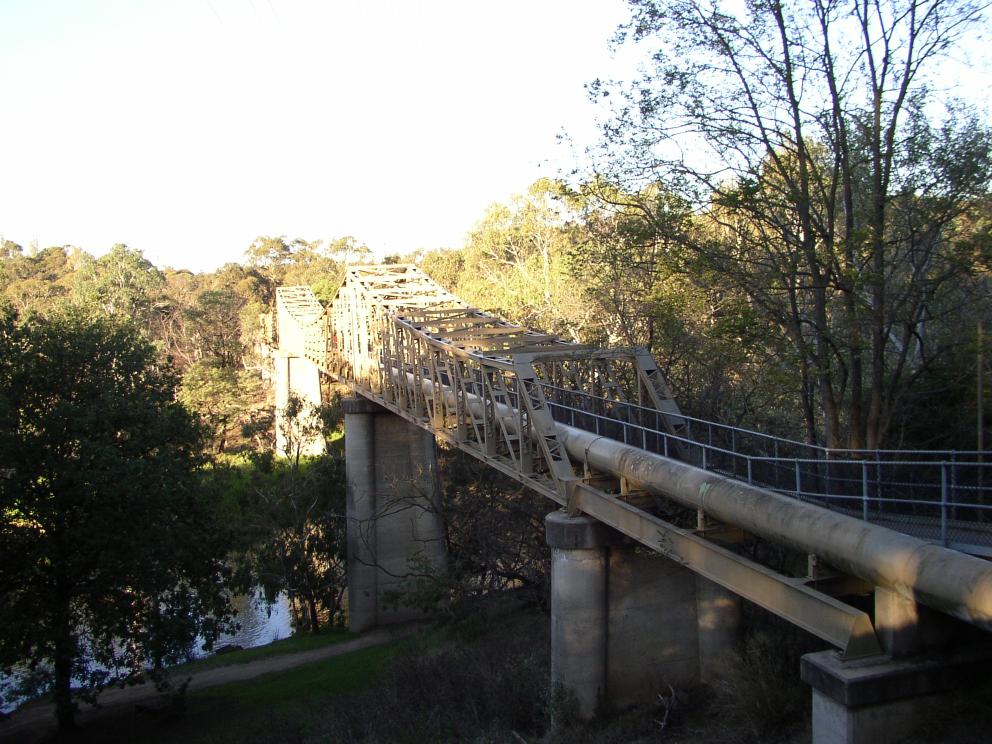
{"x": 260, "y": 623}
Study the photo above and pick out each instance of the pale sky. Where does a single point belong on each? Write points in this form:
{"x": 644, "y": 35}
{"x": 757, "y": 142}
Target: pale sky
{"x": 186, "y": 128}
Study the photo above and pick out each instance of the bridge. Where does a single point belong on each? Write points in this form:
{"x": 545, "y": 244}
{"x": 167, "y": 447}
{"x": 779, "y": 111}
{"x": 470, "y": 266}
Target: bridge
{"x": 598, "y": 432}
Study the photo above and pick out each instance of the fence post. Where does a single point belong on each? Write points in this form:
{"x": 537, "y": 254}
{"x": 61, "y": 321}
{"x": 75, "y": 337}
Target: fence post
{"x": 864, "y": 490}
{"x": 799, "y": 489}
{"x": 953, "y": 490}
{"x": 749, "y": 478}
{"x": 943, "y": 504}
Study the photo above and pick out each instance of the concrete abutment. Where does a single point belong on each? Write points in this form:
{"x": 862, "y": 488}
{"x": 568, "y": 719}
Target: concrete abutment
{"x": 395, "y": 530}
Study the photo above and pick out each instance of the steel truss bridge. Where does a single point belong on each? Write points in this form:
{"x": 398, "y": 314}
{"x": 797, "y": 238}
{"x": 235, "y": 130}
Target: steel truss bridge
{"x": 597, "y": 431}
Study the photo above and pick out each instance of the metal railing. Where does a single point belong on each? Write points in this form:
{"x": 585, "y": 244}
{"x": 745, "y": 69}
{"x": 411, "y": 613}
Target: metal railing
{"x": 942, "y": 496}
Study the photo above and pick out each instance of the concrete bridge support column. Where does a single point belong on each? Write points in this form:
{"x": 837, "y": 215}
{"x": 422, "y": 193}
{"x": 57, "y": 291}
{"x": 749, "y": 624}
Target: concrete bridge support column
{"x": 395, "y": 530}
{"x": 627, "y": 624}
{"x": 885, "y": 698}
{"x": 579, "y": 609}
{"x": 718, "y": 620}
{"x": 299, "y": 377}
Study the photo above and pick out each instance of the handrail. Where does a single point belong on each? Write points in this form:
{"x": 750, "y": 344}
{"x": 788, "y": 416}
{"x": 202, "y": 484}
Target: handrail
{"x": 828, "y": 452}
{"x": 943, "y": 503}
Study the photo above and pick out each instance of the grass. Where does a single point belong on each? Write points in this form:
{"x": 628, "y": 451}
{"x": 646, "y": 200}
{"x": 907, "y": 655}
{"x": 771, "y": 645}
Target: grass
{"x": 347, "y": 673}
{"x": 482, "y": 680}
{"x": 294, "y": 644}
{"x": 278, "y": 707}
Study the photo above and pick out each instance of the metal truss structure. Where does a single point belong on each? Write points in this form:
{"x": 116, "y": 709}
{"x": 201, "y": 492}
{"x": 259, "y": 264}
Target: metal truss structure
{"x": 475, "y": 380}
{"x": 493, "y": 389}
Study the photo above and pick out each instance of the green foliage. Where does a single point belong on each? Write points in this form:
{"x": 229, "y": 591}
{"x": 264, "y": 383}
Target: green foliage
{"x": 513, "y": 264}
{"x": 122, "y": 283}
{"x": 37, "y": 282}
{"x": 289, "y": 529}
{"x": 311, "y": 263}
{"x": 215, "y": 325}
{"x": 110, "y": 557}
{"x": 495, "y": 538}
{"x": 302, "y": 546}
{"x": 224, "y": 398}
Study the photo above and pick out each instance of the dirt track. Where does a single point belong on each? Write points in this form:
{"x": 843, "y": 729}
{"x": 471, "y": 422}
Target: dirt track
{"x": 37, "y": 723}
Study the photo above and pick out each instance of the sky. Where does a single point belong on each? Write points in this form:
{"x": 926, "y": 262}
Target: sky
{"x": 187, "y": 128}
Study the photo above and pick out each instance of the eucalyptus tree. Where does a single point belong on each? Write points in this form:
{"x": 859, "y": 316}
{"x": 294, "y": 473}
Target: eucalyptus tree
{"x": 121, "y": 283}
{"x": 826, "y": 189}
{"x": 515, "y": 263}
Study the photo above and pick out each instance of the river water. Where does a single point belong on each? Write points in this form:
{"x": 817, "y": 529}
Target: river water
{"x": 259, "y": 624}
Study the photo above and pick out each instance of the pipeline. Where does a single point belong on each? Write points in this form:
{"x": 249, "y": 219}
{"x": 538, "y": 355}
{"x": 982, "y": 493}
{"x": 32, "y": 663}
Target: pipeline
{"x": 947, "y": 580}
{"x": 955, "y": 583}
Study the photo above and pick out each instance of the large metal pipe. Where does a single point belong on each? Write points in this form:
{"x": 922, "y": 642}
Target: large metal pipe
{"x": 958, "y": 584}
{"x": 953, "y": 582}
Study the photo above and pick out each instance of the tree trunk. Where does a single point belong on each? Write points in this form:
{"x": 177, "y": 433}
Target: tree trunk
{"x": 65, "y": 709}
{"x": 314, "y": 618}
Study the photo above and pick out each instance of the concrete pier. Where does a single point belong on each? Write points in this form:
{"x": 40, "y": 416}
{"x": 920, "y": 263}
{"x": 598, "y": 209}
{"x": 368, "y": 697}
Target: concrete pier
{"x": 626, "y": 624}
{"x": 882, "y": 699}
{"x": 395, "y": 530}
{"x": 300, "y": 377}
{"x": 579, "y": 608}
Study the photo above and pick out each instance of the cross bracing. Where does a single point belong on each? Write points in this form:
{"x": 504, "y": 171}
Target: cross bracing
{"x": 597, "y": 430}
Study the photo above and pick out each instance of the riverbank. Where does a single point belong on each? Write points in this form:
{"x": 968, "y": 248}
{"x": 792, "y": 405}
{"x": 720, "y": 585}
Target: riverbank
{"x": 35, "y": 723}
{"x": 483, "y": 679}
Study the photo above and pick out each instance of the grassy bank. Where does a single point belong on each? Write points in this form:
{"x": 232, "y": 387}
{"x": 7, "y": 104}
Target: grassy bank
{"x": 275, "y": 707}
{"x": 481, "y": 680}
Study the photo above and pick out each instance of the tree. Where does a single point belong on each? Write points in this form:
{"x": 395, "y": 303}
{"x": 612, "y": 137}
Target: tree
{"x": 39, "y": 281}
{"x": 121, "y": 283}
{"x": 296, "y": 538}
{"x": 514, "y": 264}
{"x": 110, "y": 557}
{"x": 294, "y": 527}
{"x": 716, "y": 354}
{"x": 299, "y": 261}
{"x": 827, "y": 195}
{"x": 226, "y": 399}
{"x": 216, "y": 327}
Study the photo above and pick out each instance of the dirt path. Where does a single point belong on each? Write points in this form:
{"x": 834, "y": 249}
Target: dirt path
{"x": 37, "y": 723}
